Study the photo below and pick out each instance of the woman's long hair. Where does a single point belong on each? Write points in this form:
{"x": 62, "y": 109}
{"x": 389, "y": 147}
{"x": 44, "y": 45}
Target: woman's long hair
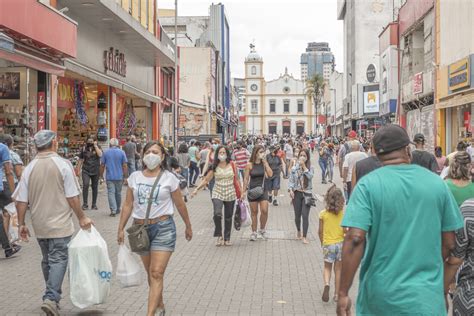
{"x": 307, "y": 163}
{"x": 255, "y": 150}
{"x": 460, "y": 166}
{"x": 165, "y": 156}
{"x": 334, "y": 200}
{"x": 183, "y": 149}
{"x": 216, "y": 161}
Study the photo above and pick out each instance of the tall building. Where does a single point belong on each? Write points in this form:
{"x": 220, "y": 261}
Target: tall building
{"x": 278, "y": 106}
{"x": 209, "y": 31}
{"x": 318, "y": 59}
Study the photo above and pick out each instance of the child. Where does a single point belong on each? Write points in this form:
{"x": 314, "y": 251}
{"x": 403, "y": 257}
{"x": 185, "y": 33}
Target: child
{"x": 331, "y": 235}
{"x": 183, "y": 184}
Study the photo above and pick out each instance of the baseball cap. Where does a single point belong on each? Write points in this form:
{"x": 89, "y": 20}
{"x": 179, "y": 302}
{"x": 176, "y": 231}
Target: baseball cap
{"x": 390, "y": 138}
{"x": 419, "y": 138}
{"x": 352, "y": 134}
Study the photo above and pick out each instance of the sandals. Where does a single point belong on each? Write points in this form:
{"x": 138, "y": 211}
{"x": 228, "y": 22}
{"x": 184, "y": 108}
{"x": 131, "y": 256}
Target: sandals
{"x": 325, "y": 297}
{"x": 220, "y": 241}
{"x": 227, "y": 243}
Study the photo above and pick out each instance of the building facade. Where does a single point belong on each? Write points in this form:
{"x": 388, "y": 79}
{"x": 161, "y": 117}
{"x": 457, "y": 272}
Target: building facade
{"x": 335, "y": 105}
{"x": 318, "y": 59}
{"x": 278, "y": 106}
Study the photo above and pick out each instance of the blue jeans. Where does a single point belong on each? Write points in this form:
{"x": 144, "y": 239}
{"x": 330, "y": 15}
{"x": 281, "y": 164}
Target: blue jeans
{"x": 185, "y": 174}
{"x": 330, "y": 169}
{"x": 54, "y": 265}
{"x": 114, "y": 194}
{"x": 323, "y": 163}
{"x": 193, "y": 173}
{"x": 131, "y": 167}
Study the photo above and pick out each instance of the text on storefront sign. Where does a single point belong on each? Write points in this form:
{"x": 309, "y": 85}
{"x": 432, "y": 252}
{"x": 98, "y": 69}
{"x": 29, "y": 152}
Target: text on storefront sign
{"x": 41, "y": 111}
{"x": 114, "y": 61}
{"x": 459, "y": 74}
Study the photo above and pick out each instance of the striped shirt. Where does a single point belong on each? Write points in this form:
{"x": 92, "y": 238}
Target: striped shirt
{"x": 241, "y": 158}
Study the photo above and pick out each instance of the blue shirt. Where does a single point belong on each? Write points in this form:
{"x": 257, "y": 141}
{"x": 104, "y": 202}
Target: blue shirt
{"x": 404, "y": 209}
{"x": 113, "y": 159}
{"x": 4, "y": 157}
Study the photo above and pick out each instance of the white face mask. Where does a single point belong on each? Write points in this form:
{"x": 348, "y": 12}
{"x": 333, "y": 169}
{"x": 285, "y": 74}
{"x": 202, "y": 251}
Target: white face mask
{"x": 152, "y": 161}
{"x": 303, "y": 159}
{"x": 222, "y": 157}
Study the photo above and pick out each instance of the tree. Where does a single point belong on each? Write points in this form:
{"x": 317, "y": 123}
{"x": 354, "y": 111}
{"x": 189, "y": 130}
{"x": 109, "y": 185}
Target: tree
{"x": 315, "y": 89}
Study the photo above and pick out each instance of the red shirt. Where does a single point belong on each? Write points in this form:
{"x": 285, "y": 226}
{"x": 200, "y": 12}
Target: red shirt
{"x": 241, "y": 158}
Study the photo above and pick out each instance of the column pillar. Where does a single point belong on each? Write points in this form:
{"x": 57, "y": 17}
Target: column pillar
{"x": 112, "y": 113}
{"x": 53, "y": 111}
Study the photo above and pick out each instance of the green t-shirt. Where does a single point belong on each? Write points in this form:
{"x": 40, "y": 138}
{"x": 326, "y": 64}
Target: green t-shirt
{"x": 404, "y": 209}
{"x": 461, "y": 194}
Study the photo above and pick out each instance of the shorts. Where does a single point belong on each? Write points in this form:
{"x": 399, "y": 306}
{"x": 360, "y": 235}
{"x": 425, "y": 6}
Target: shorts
{"x": 264, "y": 197}
{"x": 332, "y": 252}
{"x": 162, "y": 236}
{"x": 272, "y": 184}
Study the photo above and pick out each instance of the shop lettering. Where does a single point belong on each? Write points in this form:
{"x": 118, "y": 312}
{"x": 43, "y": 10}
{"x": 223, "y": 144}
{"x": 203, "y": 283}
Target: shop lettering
{"x": 65, "y": 93}
{"x": 41, "y": 111}
{"x": 114, "y": 61}
{"x": 458, "y": 79}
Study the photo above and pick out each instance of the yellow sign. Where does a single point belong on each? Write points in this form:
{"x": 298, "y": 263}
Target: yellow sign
{"x": 459, "y": 74}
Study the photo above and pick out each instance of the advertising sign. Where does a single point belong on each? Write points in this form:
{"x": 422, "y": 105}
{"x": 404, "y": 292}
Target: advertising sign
{"x": 41, "y": 111}
{"x": 371, "y": 99}
{"x": 418, "y": 83}
{"x": 371, "y": 73}
{"x": 459, "y": 74}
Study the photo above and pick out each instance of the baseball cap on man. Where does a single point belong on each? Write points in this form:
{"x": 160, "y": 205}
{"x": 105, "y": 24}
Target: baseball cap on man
{"x": 419, "y": 138}
{"x": 390, "y": 138}
{"x": 352, "y": 134}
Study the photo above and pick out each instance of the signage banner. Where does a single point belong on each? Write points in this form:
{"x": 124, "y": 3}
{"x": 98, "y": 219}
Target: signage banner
{"x": 41, "y": 111}
{"x": 65, "y": 93}
{"x": 459, "y": 74}
{"x": 418, "y": 83}
{"x": 371, "y": 100}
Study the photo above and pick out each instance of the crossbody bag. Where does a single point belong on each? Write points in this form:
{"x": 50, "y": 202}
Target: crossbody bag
{"x": 138, "y": 233}
{"x": 309, "y": 199}
{"x": 257, "y": 192}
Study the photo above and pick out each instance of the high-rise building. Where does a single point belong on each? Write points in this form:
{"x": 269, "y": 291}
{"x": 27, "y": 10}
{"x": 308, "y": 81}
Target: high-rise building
{"x": 318, "y": 59}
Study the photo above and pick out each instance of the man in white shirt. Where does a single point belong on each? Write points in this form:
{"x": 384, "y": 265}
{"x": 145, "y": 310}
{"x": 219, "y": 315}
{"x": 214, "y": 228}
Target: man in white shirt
{"x": 350, "y": 161}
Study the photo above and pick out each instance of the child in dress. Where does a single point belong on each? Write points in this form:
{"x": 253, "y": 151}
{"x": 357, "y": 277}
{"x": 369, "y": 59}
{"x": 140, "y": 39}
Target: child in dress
{"x": 331, "y": 235}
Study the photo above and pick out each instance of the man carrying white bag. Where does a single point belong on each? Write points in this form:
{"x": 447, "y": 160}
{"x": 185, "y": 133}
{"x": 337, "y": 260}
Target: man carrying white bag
{"x": 90, "y": 269}
{"x": 49, "y": 186}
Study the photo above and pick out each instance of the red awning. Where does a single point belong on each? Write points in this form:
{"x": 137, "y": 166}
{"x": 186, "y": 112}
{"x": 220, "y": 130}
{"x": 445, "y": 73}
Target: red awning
{"x": 33, "y": 62}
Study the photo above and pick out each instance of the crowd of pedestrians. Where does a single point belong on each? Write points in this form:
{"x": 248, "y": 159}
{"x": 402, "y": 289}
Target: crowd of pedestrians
{"x": 400, "y": 209}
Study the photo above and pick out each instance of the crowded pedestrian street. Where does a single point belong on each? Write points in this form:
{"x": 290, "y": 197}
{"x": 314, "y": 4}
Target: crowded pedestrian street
{"x": 279, "y": 276}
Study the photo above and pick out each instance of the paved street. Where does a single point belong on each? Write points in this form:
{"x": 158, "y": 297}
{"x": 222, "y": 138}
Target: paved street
{"x": 280, "y": 276}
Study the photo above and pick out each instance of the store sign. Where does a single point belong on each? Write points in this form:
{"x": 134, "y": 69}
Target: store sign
{"x": 41, "y": 111}
{"x": 418, "y": 83}
{"x": 371, "y": 102}
{"x": 371, "y": 73}
{"x": 114, "y": 61}
{"x": 459, "y": 74}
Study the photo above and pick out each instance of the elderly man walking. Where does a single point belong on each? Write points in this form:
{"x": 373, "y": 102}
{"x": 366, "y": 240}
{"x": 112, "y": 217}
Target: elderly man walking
{"x": 114, "y": 162}
{"x": 49, "y": 186}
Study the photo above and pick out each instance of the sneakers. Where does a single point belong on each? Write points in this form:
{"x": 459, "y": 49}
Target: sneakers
{"x": 263, "y": 234}
{"x": 12, "y": 250}
{"x": 85, "y": 207}
{"x": 275, "y": 202}
{"x": 253, "y": 236}
{"x": 95, "y": 208}
{"x": 50, "y": 308}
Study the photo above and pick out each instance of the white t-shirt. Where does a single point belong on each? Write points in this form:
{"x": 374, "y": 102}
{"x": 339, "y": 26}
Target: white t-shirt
{"x": 288, "y": 151}
{"x": 350, "y": 160}
{"x": 162, "y": 201}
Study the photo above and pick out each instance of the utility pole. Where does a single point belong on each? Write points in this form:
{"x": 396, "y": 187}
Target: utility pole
{"x": 176, "y": 74}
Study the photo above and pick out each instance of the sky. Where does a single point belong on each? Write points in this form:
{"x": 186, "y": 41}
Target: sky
{"x": 280, "y": 29}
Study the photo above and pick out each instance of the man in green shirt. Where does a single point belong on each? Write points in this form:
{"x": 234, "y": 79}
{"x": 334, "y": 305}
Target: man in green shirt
{"x": 401, "y": 221}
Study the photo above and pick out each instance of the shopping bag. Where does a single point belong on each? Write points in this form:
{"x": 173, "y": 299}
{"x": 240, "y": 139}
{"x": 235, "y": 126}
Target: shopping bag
{"x": 243, "y": 212}
{"x": 128, "y": 270}
{"x": 237, "y": 220}
{"x": 245, "y": 207}
{"x": 90, "y": 269}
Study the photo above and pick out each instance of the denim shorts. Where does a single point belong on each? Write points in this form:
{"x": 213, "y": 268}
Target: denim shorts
{"x": 273, "y": 183}
{"x": 162, "y": 236}
{"x": 332, "y": 252}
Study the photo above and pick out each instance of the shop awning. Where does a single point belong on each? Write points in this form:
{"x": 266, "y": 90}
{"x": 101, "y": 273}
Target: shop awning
{"x": 464, "y": 97}
{"x": 109, "y": 15}
{"x": 34, "y": 62}
{"x": 105, "y": 79}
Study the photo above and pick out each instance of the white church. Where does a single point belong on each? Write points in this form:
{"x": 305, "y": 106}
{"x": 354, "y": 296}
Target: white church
{"x": 279, "y": 106}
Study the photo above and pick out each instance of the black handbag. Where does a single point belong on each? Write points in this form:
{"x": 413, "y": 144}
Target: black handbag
{"x": 138, "y": 233}
{"x": 309, "y": 199}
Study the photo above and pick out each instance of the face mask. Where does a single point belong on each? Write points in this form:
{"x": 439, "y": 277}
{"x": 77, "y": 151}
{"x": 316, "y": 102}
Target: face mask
{"x": 303, "y": 159}
{"x": 222, "y": 157}
{"x": 152, "y": 161}
{"x": 215, "y": 146}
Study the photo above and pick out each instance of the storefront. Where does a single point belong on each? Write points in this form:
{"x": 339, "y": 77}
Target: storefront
{"x": 456, "y": 106}
{"x": 30, "y": 61}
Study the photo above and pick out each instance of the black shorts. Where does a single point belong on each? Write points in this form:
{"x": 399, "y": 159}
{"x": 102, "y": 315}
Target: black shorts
{"x": 5, "y": 196}
{"x": 264, "y": 197}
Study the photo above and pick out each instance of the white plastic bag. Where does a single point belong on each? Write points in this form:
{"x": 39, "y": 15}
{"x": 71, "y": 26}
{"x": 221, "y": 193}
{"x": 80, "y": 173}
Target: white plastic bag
{"x": 90, "y": 269}
{"x": 128, "y": 269}
{"x": 248, "y": 218}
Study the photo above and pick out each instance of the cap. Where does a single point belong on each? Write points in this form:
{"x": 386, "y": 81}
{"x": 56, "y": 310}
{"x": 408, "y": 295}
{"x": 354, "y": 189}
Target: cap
{"x": 352, "y": 134}
{"x": 389, "y": 138}
{"x": 419, "y": 138}
{"x": 44, "y": 137}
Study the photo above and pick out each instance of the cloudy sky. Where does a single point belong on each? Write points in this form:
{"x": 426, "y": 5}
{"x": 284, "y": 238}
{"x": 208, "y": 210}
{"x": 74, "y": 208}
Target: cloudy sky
{"x": 281, "y": 30}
